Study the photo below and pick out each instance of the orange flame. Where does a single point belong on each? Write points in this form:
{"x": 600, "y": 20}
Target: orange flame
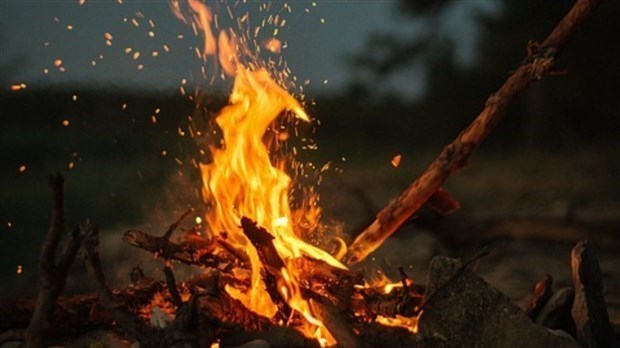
{"x": 242, "y": 181}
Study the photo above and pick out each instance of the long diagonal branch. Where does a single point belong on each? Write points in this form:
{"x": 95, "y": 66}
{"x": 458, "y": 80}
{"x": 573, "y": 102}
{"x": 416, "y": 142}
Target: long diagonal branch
{"x": 539, "y": 62}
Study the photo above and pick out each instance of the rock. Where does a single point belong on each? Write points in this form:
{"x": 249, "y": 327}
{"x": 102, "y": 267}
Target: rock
{"x": 464, "y": 310}
{"x": 555, "y": 314}
{"x": 255, "y": 344}
{"x": 589, "y": 309}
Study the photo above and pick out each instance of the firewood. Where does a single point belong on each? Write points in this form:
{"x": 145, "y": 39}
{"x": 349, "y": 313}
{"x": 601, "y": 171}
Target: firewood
{"x": 369, "y": 303}
{"x": 334, "y": 284}
{"x": 272, "y": 264}
{"x": 540, "y": 296}
{"x": 128, "y": 321}
{"x": 76, "y": 314}
{"x": 209, "y": 253}
{"x": 539, "y": 62}
{"x": 589, "y": 309}
{"x": 171, "y": 284}
{"x": 52, "y": 269}
{"x": 217, "y": 306}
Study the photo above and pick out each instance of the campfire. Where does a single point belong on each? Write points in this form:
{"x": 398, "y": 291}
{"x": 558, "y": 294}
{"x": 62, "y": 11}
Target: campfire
{"x": 260, "y": 275}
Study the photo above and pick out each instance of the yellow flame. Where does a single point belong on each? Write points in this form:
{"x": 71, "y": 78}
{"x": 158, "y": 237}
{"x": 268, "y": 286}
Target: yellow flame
{"x": 242, "y": 181}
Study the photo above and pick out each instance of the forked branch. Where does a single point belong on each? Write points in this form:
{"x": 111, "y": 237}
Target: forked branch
{"x": 53, "y": 268}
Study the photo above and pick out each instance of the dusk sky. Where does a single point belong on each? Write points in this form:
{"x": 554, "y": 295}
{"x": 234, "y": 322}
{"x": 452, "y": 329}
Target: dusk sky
{"x": 35, "y": 34}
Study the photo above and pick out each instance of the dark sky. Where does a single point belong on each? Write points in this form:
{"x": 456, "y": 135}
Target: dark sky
{"x": 34, "y": 34}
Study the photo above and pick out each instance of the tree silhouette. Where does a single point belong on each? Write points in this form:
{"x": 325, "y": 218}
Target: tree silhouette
{"x": 581, "y": 105}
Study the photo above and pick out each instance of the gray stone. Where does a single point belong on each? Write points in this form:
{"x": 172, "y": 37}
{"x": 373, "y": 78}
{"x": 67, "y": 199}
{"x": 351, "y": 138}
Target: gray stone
{"x": 466, "y": 311}
{"x": 555, "y": 314}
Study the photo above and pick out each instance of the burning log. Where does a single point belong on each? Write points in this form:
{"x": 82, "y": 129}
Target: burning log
{"x": 372, "y": 303}
{"x": 272, "y": 264}
{"x": 329, "y": 290}
{"x": 337, "y": 322}
{"x": 542, "y": 293}
{"x": 200, "y": 251}
{"x": 539, "y": 62}
{"x": 128, "y": 321}
{"x": 334, "y": 284}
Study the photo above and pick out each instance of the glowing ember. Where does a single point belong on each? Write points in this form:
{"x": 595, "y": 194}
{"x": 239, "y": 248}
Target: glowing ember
{"x": 273, "y": 45}
{"x": 410, "y": 324}
{"x": 396, "y": 161}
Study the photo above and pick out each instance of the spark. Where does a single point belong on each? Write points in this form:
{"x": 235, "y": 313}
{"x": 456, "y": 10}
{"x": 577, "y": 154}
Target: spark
{"x": 18, "y": 86}
{"x": 396, "y": 161}
{"x": 22, "y": 168}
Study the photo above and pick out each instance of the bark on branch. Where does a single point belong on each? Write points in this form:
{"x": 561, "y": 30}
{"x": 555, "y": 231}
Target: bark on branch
{"x": 539, "y": 62}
